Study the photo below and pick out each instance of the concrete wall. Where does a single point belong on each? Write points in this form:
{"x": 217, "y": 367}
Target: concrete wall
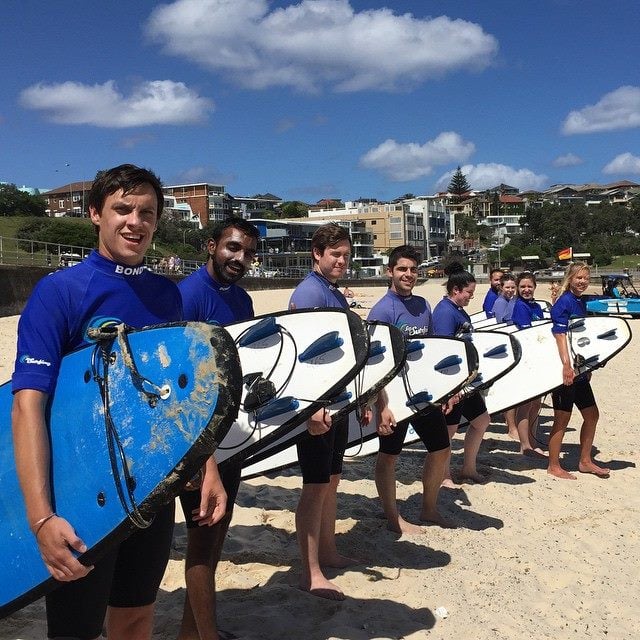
{"x": 16, "y": 284}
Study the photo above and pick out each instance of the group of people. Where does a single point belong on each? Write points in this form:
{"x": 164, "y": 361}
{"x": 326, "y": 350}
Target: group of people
{"x": 119, "y": 591}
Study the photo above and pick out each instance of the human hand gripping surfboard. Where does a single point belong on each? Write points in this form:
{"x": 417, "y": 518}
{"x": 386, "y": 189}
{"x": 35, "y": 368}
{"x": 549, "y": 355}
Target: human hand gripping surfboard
{"x": 130, "y": 421}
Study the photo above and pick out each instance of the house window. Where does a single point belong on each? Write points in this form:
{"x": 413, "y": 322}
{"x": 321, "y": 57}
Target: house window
{"x": 60, "y": 204}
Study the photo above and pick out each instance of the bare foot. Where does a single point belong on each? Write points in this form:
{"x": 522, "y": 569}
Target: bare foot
{"x": 338, "y": 561}
{"x": 559, "y": 472}
{"x": 324, "y": 589}
{"x": 448, "y": 483}
{"x": 397, "y": 524}
{"x": 437, "y": 519}
{"x": 593, "y": 468}
{"x": 534, "y": 453}
{"x": 476, "y": 478}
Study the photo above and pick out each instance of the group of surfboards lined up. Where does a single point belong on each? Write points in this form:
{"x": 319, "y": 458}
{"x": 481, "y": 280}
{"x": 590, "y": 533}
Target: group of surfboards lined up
{"x": 129, "y": 391}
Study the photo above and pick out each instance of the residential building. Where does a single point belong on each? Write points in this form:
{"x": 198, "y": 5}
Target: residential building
{"x": 255, "y": 206}
{"x": 208, "y": 201}
{"x": 67, "y": 200}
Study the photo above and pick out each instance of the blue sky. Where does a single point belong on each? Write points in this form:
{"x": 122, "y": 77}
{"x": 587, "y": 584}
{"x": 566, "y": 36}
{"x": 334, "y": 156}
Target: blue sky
{"x": 322, "y": 98}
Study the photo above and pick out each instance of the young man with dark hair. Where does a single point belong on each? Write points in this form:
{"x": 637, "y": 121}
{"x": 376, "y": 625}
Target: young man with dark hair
{"x": 494, "y": 291}
{"x": 321, "y": 453}
{"x": 124, "y": 204}
{"x": 212, "y": 295}
{"x": 412, "y": 314}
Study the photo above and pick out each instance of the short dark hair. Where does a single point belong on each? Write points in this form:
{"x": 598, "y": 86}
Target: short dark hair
{"x": 458, "y": 277}
{"x": 495, "y": 270}
{"x": 126, "y": 177}
{"x": 506, "y": 277}
{"x": 526, "y": 275}
{"x": 245, "y": 226}
{"x": 329, "y": 235}
{"x": 403, "y": 251}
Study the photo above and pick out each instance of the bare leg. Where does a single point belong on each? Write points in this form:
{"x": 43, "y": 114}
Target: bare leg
{"x": 385, "y": 474}
{"x": 132, "y": 623}
{"x": 560, "y": 422}
{"x": 309, "y": 518}
{"x": 204, "y": 547}
{"x": 328, "y": 555}
{"x": 524, "y": 415}
{"x": 432, "y": 474}
{"x": 590, "y": 417}
{"x": 512, "y": 426}
{"x": 447, "y": 479}
{"x": 472, "y": 442}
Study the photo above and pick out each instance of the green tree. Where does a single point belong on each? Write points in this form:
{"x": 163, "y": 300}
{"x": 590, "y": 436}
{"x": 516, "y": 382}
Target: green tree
{"x": 294, "y": 209}
{"x": 458, "y": 185}
{"x": 14, "y": 202}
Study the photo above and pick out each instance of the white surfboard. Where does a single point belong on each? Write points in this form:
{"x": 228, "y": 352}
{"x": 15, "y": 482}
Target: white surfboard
{"x": 479, "y": 320}
{"x": 387, "y": 354}
{"x": 436, "y": 369}
{"x": 291, "y": 363}
{"x": 595, "y": 339}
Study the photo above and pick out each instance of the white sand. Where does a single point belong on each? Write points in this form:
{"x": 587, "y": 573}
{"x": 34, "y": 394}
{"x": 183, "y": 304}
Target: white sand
{"x": 534, "y": 557}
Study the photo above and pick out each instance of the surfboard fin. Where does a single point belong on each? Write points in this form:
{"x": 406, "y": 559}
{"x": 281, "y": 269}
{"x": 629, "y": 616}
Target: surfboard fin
{"x": 376, "y": 348}
{"x": 259, "y": 331}
{"x": 449, "y": 361}
{"x": 323, "y": 344}
{"x": 414, "y": 345}
{"x": 344, "y": 396}
{"x": 276, "y": 407}
{"x": 607, "y": 334}
{"x": 499, "y": 350}
{"x": 259, "y": 394}
{"x": 422, "y": 397}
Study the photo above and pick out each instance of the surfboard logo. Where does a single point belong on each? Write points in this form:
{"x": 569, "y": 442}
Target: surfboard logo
{"x": 100, "y": 322}
{"x": 27, "y": 359}
{"x": 583, "y": 342}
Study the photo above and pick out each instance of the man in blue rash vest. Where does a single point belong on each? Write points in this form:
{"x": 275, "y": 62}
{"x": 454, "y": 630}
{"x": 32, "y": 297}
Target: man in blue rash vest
{"x": 212, "y": 295}
{"x": 321, "y": 453}
{"x": 111, "y": 286}
{"x": 494, "y": 291}
{"x": 412, "y": 314}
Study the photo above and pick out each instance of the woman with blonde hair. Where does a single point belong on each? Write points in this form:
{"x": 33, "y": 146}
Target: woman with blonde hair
{"x": 576, "y": 389}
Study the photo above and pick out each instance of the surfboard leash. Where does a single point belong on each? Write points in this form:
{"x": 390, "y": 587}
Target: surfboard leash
{"x": 102, "y": 352}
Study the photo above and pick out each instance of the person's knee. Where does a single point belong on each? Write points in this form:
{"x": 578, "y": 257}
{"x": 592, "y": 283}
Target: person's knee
{"x": 133, "y": 623}
{"x": 386, "y": 460}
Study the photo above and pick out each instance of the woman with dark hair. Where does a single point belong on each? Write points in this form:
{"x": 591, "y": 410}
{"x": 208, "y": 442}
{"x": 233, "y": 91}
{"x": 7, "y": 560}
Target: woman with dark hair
{"x": 450, "y": 319}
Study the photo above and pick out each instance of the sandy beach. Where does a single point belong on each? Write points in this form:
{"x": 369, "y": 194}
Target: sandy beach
{"x": 533, "y": 556}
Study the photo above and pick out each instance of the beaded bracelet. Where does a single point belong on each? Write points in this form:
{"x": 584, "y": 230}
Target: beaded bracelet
{"x": 40, "y": 523}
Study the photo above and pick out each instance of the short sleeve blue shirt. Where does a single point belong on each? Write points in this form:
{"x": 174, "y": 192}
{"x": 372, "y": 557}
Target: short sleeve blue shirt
{"x": 489, "y": 301}
{"x": 525, "y": 312}
{"x": 449, "y": 319}
{"x": 316, "y": 292}
{"x": 567, "y": 306}
{"x": 95, "y": 293}
{"x": 503, "y": 309}
{"x": 411, "y": 314}
{"x": 205, "y": 300}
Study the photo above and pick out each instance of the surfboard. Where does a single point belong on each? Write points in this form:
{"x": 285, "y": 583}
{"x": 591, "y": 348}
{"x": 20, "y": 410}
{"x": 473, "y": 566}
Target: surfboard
{"x": 614, "y": 306}
{"x": 479, "y": 320}
{"x": 386, "y": 356}
{"x": 130, "y": 421}
{"x": 292, "y": 363}
{"x": 497, "y": 353}
{"x": 594, "y": 339}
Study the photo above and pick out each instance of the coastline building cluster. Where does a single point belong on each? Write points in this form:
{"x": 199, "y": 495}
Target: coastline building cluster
{"x": 427, "y": 222}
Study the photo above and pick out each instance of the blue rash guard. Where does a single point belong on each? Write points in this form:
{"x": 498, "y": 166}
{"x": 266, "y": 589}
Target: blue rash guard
{"x": 92, "y": 294}
{"x": 205, "y": 300}
{"x": 316, "y": 292}
{"x": 503, "y": 309}
{"x": 567, "y": 306}
{"x": 525, "y": 312}
{"x": 489, "y": 301}
{"x": 449, "y": 319}
{"x": 411, "y": 314}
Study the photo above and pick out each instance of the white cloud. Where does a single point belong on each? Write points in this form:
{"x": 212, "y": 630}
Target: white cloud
{"x": 317, "y": 44}
{"x": 624, "y": 163}
{"x": 408, "y": 161}
{"x": 567, "y": 160}
{"x": 102, "y": 105}
{"x": 203, "y": 174}
{"x": 487, "y": 175}
{"x": 619, "y": 109}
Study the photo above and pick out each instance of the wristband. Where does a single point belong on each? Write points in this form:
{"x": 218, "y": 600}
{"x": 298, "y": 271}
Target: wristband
{"x": 40, "y": 523}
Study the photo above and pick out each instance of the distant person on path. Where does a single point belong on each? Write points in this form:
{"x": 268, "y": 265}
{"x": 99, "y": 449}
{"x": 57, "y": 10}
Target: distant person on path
{"x": 450, "y": 319}
{"x": 412, "y": 314}
{"x": 212, "y": 295}
{"x": 125, "y": 204}
{"x": 494, "y": 291}
{"x": 575, "y": 389}
{"x": 321, "y": 454}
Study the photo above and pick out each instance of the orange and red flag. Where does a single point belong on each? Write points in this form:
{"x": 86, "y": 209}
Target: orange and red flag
{"x": 565, "y": 254}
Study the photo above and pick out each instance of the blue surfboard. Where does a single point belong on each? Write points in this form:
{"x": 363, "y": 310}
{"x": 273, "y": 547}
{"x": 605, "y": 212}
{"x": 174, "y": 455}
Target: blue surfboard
{"x": 130, "y": 421}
